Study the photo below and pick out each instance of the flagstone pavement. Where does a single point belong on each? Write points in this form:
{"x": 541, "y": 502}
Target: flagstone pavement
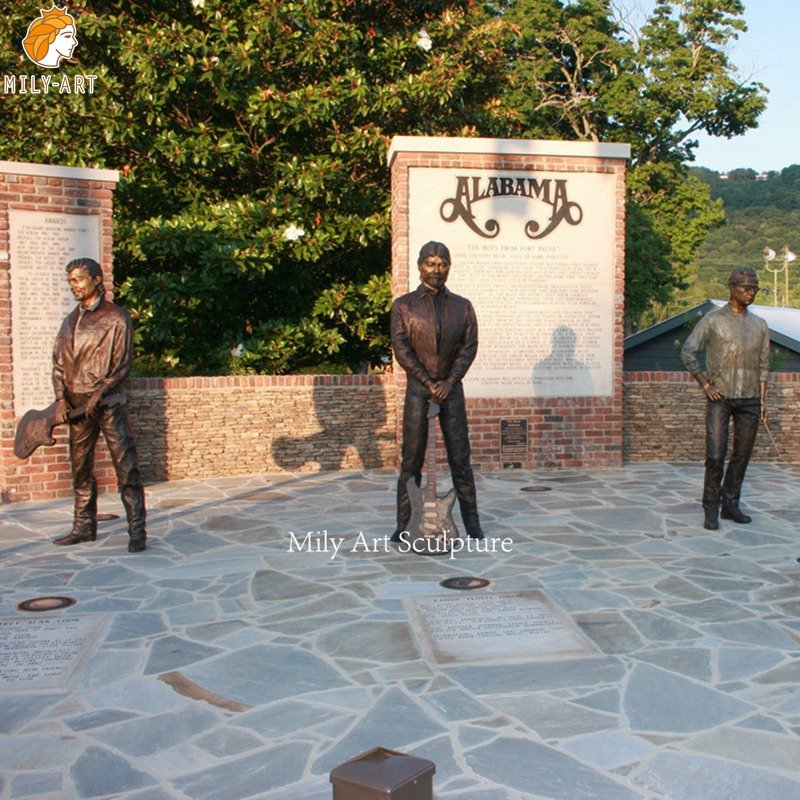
{"x": 238, "y": 658}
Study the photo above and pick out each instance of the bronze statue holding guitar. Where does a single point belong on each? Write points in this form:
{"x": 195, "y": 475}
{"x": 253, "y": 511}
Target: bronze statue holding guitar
{"x": 35, "y": 429}
{"x": 435, "y": 340}
{"x": 92, "y": 358}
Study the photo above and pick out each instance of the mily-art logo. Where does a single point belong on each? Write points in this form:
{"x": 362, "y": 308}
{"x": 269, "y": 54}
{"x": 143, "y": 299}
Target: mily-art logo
{"x": 51, "y": 39}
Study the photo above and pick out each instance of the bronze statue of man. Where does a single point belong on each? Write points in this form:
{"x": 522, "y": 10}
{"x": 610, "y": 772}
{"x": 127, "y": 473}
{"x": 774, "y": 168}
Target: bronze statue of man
{"x": 435, "y": 340}
{"x": 92, "y": 357}
{"x": 736, "y": 345}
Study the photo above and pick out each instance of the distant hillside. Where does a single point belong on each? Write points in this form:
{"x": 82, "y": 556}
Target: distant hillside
{"x": 762, "y": 210}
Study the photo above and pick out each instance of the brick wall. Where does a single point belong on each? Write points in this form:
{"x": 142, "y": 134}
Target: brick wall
{"x": 562, "y": 432}
{"x": 201, "y": 427}
{"x": 665, "y": 418}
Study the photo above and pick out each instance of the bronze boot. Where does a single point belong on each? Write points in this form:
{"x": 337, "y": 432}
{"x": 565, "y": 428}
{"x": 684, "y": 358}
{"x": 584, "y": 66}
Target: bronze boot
{"x": 711, "y": 520}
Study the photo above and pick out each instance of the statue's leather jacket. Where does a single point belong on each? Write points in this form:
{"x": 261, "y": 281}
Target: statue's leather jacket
{"x": 413, "y": 330}
{"x": 97, "y": 356}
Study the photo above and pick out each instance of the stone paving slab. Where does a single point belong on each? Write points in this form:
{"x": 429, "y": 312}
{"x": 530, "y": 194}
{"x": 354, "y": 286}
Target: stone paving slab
{"x": 264, "y": 638}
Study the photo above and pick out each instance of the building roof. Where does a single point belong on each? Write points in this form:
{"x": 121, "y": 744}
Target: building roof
{"x": 784, "y": 324}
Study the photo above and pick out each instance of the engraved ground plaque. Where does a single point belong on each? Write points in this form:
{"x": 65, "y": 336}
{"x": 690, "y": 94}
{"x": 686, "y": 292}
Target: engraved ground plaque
{"x": 496, "y": 626}
{"x": 45, "y": 652}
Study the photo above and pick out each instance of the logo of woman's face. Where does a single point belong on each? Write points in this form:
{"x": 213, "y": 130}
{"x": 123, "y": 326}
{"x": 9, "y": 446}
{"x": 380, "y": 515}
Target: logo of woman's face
{"x": 50, "y": 38}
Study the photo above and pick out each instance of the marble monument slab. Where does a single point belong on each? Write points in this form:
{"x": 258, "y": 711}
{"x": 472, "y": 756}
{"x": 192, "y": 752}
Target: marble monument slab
{"x": 45, "y": 652}
{"x": 501, "y": 627}
{"x": 41, "y": 243}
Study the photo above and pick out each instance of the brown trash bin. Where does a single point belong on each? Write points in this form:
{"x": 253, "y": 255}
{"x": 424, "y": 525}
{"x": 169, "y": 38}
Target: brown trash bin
{"x": 382, "y": 774}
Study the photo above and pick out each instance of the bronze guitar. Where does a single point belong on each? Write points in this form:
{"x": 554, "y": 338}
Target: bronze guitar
{"x": 36, "y": 427}
{"x": 431, "y": 525}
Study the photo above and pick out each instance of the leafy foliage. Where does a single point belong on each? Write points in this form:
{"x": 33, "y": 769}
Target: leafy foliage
{"x": 688, "y": 83}
{"x": 760, "y": 213}
{"x": 680, "y": 214}
{"x": 568, "y": 68}
{"x": 580, "y": 74}
{"x": 236, "y": 125}
{"x": 644, "y": 246}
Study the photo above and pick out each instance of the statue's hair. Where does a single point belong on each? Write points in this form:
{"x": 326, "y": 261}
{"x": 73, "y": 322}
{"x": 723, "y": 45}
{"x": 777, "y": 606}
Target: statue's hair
{"x": 43, "y": 30}
{"x": 434, "y": 249}
{"x": 740, "y": 272}
{"x": 93, "y": 269}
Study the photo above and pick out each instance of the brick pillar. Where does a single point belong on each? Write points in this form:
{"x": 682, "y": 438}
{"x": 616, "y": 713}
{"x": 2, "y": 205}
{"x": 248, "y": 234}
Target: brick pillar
{"x": 536, "y": 230}
{"x": 48, "y": 215}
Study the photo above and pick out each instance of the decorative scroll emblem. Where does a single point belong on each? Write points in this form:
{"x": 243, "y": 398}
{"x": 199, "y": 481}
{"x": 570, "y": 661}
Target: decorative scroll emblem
{"x": 550, "y": 192}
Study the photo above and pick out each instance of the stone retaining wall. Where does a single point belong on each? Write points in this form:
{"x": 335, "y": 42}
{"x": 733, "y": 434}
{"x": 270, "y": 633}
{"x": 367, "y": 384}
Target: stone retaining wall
{"x": 200, "y": 427}
{"x": 207, "y": 427}
{"x": 212, "y": 427}
{"x": 664, "y": 415}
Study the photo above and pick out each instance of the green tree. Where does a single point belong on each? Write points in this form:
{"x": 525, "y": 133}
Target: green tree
{"x": 681, "y": 213}
{"x": 760, "y": 212}
{"x": 253, "y": 212}
{"x": 252, "y": 218}
{"x": 687, "y": 82}
{"x": 579, "y": 73}
{"x": 567, "y": 67}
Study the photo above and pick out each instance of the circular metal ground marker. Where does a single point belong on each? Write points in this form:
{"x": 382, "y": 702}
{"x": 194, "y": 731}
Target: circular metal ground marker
{"x": 45, "y": 603}
{"x": 536, "y": 488}
{"x": 464, "y": 582}
{"x": 106, "y": 517}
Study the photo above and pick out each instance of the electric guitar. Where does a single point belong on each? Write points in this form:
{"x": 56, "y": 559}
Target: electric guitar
{"x": 36, "y": 427}
{"x": 431, "y": 525}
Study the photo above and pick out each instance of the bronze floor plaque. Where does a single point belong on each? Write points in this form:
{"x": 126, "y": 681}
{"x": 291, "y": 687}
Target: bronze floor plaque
{"x": 45, "y": 652}
{"x": 53, "y": 603}
{"x": 465, "y": 583}
{"x": 496, "y": 626}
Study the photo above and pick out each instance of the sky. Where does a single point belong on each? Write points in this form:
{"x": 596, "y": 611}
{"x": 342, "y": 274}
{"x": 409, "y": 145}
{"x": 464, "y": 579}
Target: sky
{"x": 768, "y": 52}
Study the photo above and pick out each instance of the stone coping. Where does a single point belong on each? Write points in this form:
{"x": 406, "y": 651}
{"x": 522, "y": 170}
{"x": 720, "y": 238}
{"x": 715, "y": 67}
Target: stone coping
{"x": 522, "y": 147}
{"x": 57, "y": 171}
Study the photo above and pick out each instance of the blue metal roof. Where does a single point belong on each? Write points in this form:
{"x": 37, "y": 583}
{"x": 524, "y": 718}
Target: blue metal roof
{"x": 784, "y": 324}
